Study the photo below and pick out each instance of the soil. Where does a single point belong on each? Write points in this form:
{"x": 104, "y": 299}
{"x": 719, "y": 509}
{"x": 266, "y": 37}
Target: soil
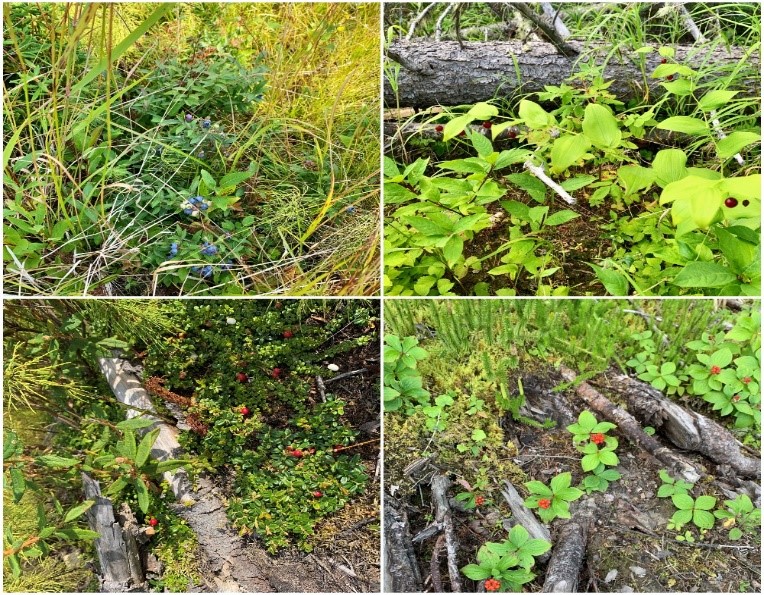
{"x": 629, "y": 548}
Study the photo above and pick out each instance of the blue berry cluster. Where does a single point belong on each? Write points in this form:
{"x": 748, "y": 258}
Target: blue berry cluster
{"x": 206, "y": 123}
{"x": 173, "y": 249}
{"x": 209, "y": 249}
{"x": 205, "y": 271}
{"x": 194, "y": 205}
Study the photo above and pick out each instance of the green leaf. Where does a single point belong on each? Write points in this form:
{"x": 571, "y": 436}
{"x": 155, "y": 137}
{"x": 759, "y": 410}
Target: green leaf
{"x": 476, "y": 573}
{"x": 56, "y": 461}
{"x": 560, "y": 482}
{"x": 704, "y": 274}
{"x": 536, "y": 547}
{"x": 590, "y": 462}
{"x": 601, "y": 126}
{"x": 142, "y": 492}
{"x": 424, "y": 285}
{"x": 428, "y": 227}
{"x": 569, "y": 494}
{"x": 455, "y": 126}
{"x": 715, "y": 99}
{"x": 587, "y": 421}
{"x": 608, "y": 457}
{"x": 234, "y": 178}
{"x": 560, "y": 217}
{"x": 116, "y": 487}
{"x": 743, "y": 186}
{"x": 568, "y": 150}
{"x": 703, "y": 196}
{"x": 510, "y": 157}
{"x": 685, "y": 125}
{"x": 76, "y": 534}
{"x": 18, "y": 484}
{"x": 735, "y": 534}
{"x": 734, "y": 142}
{"x": 534, "y": 115}
{"x": 682, "y": 517}
{"x": 683, "y": 501}
{"x": 135, "y": 423}
{"x": 208, "y": 179}
{"x": 635, "y": 178}
{"x": 483, "y": 111}
{"x": 705, "y": 503}
{"x": 452, "y": 251}
{"x": 478, "y": 435}
{"x": 703, "y": 519}
{"x": 669, "y": 166}
{"x": 536, "y": 487}
{"x": 739, "y": 254}
{"x": 615, "y": 282}
{"x": 481, "y": 144}
{"x": 78, "y": 511}
{"x": 144, "y": 448}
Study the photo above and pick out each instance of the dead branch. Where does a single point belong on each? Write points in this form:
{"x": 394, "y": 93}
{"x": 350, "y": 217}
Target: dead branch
{"x": 439, "y": 486}
{"x": 521, "y": 515}
{"x": 569, "y": 551}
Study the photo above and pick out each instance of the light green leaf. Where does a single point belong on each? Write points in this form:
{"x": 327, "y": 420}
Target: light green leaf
{"x": 234, "y": 178}
{"x": 669, "y": 166}
{"x": 144, "y": 448}
{"x": 56, "y": 461}
{"x": 483, "y": 111}
{"x": 685, "y": 125}
{"x": 560, "y": 217}
{"x": 78, "y": 511}
{"x": 454, "y": 126}
{"x": 601, "y": 126}
{"x": 481, "y": 144}
{"x": 568, "y": 150}
{"x": 683, "y": 501}
{"x": 715, "y": 99}
{"x": 735, "y": 142}
{"x": 135, "y": 423}
{"x": 704, "y": 274}
{"x": 534, "y": 115}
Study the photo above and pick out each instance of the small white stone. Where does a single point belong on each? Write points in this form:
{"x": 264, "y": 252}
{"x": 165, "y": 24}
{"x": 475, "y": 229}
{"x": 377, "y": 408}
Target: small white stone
{"x": 230, "y": 320}
{"x": 333, "y": 367}
{"x": 638, "y": 571}
{"x": 611, "y": 576}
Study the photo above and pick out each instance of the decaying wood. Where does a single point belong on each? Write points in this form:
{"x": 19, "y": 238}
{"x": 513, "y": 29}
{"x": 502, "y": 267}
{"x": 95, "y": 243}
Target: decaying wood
{"x": 686, "y": 429}
{"x": 437, "y": 581}
{"x": 525, "y": 517}
{"x": 444, "y": 73}
{"x": 118, "y": 555}
{"x": 569, "y": 551}
{"x": 401, "y": 570}
{"x": 632, "y": 430}
{"x": 439, "y": 486}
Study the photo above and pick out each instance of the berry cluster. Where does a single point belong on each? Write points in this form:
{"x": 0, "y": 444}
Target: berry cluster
{"x": 195, "y": 205}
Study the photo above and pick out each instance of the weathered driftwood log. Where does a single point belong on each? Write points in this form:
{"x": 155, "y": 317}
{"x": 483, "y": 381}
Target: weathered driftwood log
{"x": 569, "y": 551}
{"x": 632, "y": 430}
{"x": 118, "y": 555}
{"x": 684, "y": 428}
{"x": 439, "y": 488}
{"x": 525, "y": 517}
{"x": 442, "y": 73}
{"x": 401, "y": 572}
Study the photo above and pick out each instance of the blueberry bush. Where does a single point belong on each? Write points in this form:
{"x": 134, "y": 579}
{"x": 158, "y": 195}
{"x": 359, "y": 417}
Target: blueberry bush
{"x": 131, "y": 150}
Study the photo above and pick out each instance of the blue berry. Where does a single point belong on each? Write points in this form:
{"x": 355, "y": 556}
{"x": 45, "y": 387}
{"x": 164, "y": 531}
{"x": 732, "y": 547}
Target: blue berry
{"x": 350, "y": 209}
{"x": 209, "y": 250}
{"x": 207, "y": 271}
{"x": 193, "y": 200}
{"x": 174, "y": 249}
{"x": 188, "y": 211}
{"x": 201, "y": 154}
{"x": 189, "y": 117}
{"x": 206, "y": 123}
{"x": 204, "y": 206}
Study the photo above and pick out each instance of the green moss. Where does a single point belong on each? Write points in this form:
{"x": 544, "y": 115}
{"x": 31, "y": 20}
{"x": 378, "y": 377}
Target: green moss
{"x": 178, "y": 552}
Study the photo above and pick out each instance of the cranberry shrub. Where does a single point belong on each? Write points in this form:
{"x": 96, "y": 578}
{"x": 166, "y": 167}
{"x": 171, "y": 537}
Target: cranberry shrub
{"x": 247, "y": 371}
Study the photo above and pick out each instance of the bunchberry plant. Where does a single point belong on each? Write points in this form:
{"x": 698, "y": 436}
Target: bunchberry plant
{"x": 552, "y": 501}
{"x": 403, "y": 384}
{"x": 600, "y": 478}
{"x": 436, "y": 414}
{"x": 740, "y": 516}
{"x": 692, "y": 510}
{"x": 506, "y": 566}
{"x": 672, "y": 486}
{"x": 590, "y": 438}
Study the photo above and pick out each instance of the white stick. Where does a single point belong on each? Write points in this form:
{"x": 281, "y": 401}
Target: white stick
{"x": 418, "y": 20}
{"x": 557, "y": 23}
{"x": 439, "y": 24}
{"x": 541, "y": 175}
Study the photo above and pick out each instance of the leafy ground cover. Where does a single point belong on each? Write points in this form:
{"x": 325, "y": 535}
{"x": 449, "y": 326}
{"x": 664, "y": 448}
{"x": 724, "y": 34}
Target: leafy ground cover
{"x": 473, "y": 392}
{"x": 190, "y": 149}
{"x": 294, "y": 459}
{"x": 664, "y": 190}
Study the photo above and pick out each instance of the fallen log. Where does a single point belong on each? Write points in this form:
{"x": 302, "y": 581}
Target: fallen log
{"x": 439, "y": 487}
{"x": 118, "y": 554}
{"x": 632, "y": 430}
{"x": 443, "y": 73}
{"x": 401, "y": 572}
{"x": 569, "y": 551}
{"x": 524, "y": 516}
{"x": 685, "y": 429}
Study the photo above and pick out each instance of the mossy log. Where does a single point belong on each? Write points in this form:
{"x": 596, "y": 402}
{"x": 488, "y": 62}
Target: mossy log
{"x": 443, "y": 73}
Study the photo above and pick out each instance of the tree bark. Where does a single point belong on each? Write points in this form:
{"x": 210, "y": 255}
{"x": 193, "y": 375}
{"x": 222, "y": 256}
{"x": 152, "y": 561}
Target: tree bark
{"x": 401, "y": 572}
{"x": 439, "y": 486}
{"x": 525, "y": 517}
{"x": 569, "y": 551}
{"x": 686, "y": 429}
{"x": 444, "y": 74}
{"x": 118, "y": 555}
{"x": 633, "y": 431}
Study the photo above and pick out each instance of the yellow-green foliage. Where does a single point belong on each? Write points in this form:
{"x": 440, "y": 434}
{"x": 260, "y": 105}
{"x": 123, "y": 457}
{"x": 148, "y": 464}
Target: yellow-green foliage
{"x": 179, "y": 554}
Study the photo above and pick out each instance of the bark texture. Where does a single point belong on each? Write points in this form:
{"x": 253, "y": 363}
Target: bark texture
{"x": 439, "y": 486}
{"x": 401, "y": 573}
{"x": 118, "y": 555}
{"x": 569, "y": 552}
{"x": 442, "y": 73}
{"x": 686, "y": 429}
{"x": 632, "y": 430}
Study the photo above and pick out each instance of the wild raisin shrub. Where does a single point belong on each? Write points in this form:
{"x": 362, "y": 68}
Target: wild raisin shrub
{"x": 247, "y": 369}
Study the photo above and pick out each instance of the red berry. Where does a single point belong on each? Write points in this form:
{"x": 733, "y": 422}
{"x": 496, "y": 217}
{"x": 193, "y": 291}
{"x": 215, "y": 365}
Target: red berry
{"x": 747, "y": 380}
{"x": 439, "y": 128}
{"x": 746, "y": 202}
{"x": 462, "y": 133}
{"x": 297, "y": 453}
{"x": 736, "y": 398}
{"x": 241, "y": 376}
{"x": 512, "y": 133}
{"x": 244, "y": 410}
{"x": 598, "y": 438}
{"x": 276, "y": 373}
{"x": 715, "y": 370}
{"x": 487, "y": 125}
{"x": 317, "y": 494}
{"x": 479, "y": 501}
{"x": 670, "y": 77}
{"x": 153, "y": 522}
{"x": 730, "y": 202}
{"x": 663, "y": 61}
{"x": 545, "y": 503}
{"x": 288, "y": 334}
{"x": 492, "y": 584}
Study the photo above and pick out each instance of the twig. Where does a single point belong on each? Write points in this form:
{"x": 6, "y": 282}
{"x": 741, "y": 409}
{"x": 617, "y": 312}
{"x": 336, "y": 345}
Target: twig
{"x": 541, "y": 175}
{"x": 441, "y": 18}
{"x": 437, "y": 583}
{"x": 439, "y": 486}
{"x": 549, "y": 31}
{"x": 694, "y": 30}
{"x": 321, "y": 388}
{"x": 418, "y": 20}
{"x": 345, "y": 375}
{"x": 554, "y": 16}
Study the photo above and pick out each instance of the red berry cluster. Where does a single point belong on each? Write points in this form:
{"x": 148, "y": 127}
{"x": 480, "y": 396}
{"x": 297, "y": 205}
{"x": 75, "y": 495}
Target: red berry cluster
{"x": 598, "y": 438}
{"x": 715, "y": 370}
{"x": 492, "y": 584}
{"x": 479, "y": 501}
{"x": 545, "y": 503}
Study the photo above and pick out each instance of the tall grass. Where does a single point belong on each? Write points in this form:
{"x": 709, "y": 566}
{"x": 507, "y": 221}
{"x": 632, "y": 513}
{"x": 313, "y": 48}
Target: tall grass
{"x": 79, "y": 222}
